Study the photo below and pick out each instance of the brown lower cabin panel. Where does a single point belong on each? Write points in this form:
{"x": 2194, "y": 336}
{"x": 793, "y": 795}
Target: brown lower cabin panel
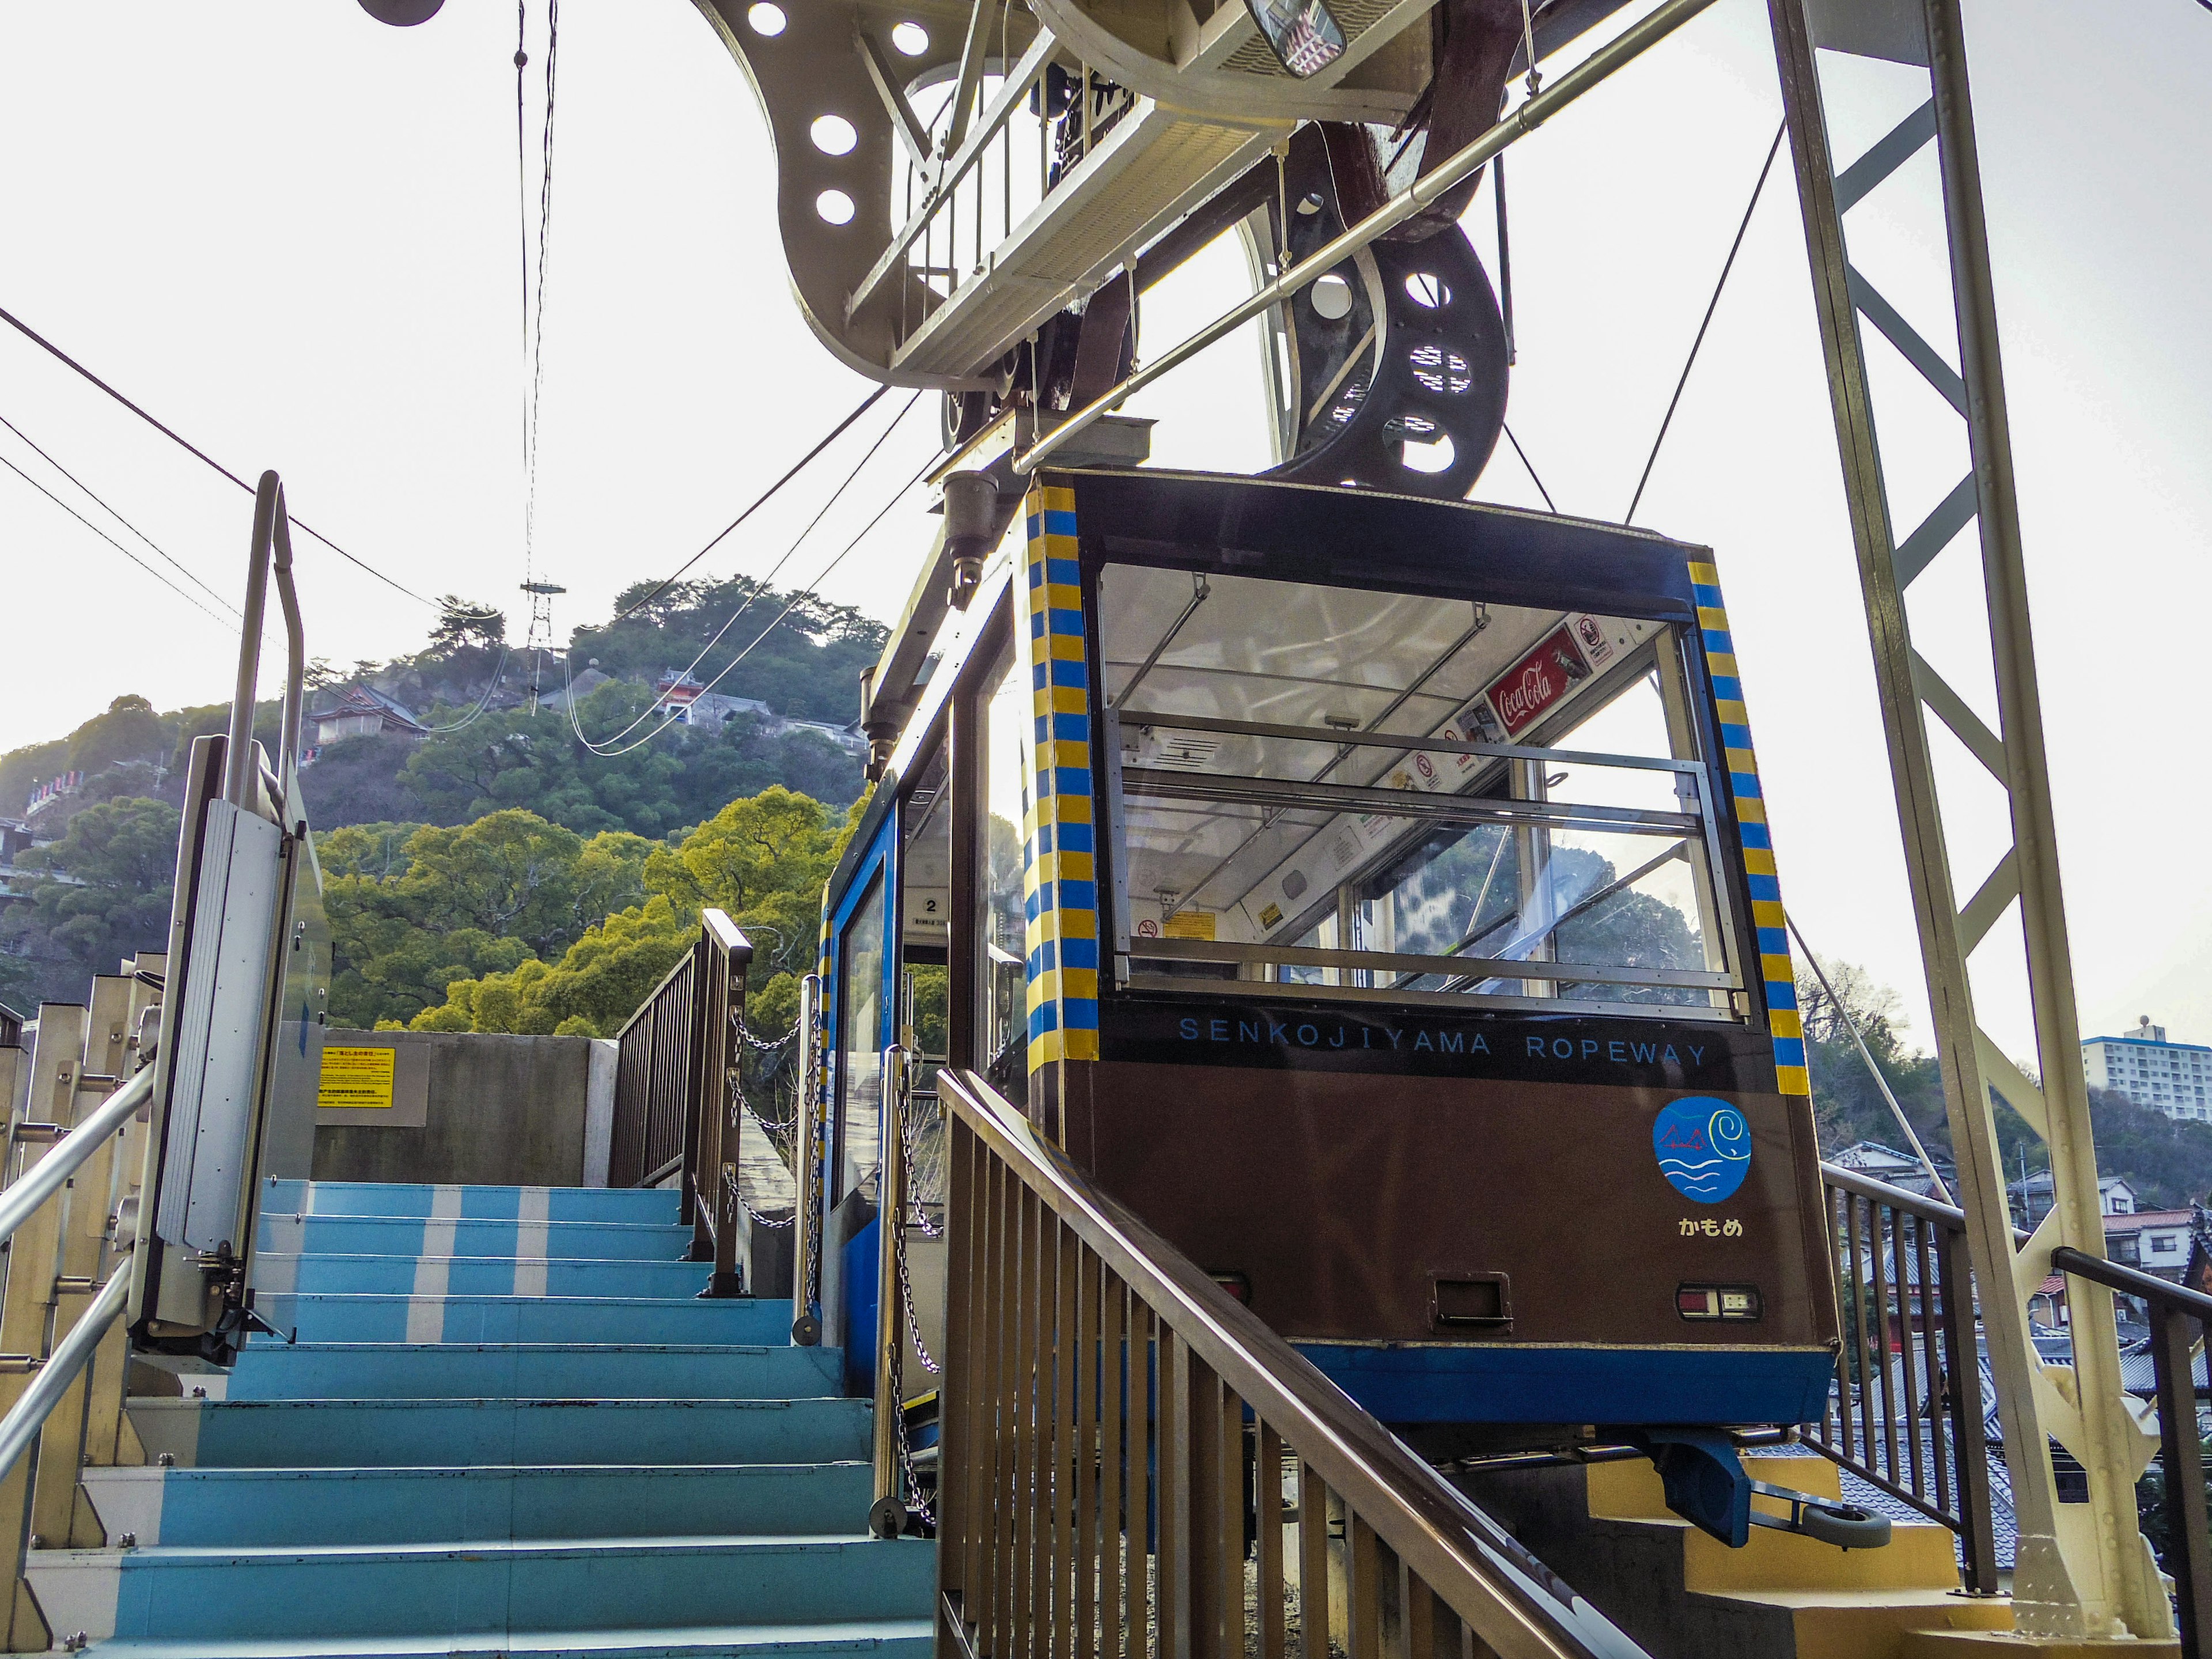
{"x": 1353, "y": 1204}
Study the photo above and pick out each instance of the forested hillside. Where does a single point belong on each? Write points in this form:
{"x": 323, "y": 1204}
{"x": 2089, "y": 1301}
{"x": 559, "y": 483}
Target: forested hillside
{"x": 495, "y": 779}
{"x": 2168, "y": 1162}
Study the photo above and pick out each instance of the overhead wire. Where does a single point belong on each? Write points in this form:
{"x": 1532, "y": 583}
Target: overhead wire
{"x": 1531, "y": 470}
{"x": 483, "y": 703}
{"x": 522, "y": 209}
{"x": 758, "y": 502}
{"x": 538, "y": 310}
{"x": 745, "y": 605}
{"x": 193, "y": 449}
{"x": 112, "y": 542}
{"x": 181, "y": 569}
{"x": 1711, "y": 305}
{"x": 796, "y": 598}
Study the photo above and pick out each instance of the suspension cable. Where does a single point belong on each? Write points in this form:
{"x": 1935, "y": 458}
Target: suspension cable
{"x": 759, "y": 501}
{"x": 1711, "y": 305}
{"x": 1530, "y": 469}
{"x": 746, "y": 603}
{"x": 182, "y": 569}
{"x": 193, "y": 449}
{"x": 796, "y": 599}
{"x": 112, "y": 542}
{"x": 537, "y": 310}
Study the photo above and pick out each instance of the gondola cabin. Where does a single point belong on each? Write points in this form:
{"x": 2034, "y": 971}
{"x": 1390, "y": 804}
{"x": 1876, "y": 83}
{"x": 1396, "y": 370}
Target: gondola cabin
{"x": 1374, "y": 895}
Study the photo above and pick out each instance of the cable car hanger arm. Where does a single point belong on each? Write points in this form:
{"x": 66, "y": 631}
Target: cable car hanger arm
{"x": 1417, "y": 197}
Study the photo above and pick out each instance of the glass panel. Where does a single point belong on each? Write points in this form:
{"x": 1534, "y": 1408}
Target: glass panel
{"x": 999, "y": 930}
{"x": 1309, "y": 772}
{"x": 925, "y": 937}
{"x": 859, "y": 1041}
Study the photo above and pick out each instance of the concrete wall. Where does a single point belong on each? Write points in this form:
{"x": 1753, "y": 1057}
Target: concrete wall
{"x": 531, "y": 1111}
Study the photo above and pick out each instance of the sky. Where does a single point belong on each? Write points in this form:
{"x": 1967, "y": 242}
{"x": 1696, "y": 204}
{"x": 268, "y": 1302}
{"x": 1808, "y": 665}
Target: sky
{"x": 293, "y": 234}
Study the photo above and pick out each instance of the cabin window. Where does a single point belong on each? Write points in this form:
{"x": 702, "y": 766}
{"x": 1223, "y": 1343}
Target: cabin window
{"x": 860, "y": 1043}
{"x": 1394, "y": 797}
{"x": 925, "y": 938}
{"x": 1001, "y": 931}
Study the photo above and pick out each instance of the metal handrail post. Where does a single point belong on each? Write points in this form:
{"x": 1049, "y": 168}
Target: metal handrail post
{"x": 237, "y": 770}
{"x": 2189, "y": 1550}
{"x": 295, "y": 648}
{"x": 807, "y": 1241}
{"x": 273, "y": 548}
{"x": 891, "y": 1213}
{"x": 21, "y": 1201}
{"x": 1217, "y": 1361}
{"x": 28, "y": 1415}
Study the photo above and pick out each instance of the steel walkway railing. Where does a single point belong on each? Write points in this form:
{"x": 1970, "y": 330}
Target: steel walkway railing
{"x": 1131, "y": 1464}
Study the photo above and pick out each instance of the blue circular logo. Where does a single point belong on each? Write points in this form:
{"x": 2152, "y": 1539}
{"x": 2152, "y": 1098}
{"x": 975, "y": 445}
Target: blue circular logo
{"x": 1704, "y": 1147}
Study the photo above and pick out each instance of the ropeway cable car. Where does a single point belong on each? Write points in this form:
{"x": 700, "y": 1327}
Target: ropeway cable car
{"x": 1375, "y": 894}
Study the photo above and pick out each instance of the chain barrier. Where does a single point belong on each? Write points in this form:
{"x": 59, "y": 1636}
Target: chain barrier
{"x": 741, "y": 1108}
{"x": 895, "y": 1361}
{"x": 763, "y": 1045}
{"x": 919, "y": 1212}
{"x": 810, "y": 1192}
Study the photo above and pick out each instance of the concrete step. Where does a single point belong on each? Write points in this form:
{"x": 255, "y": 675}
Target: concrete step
{"x": 631, "y": 1204}
{"x": 276, "y": 1272}
{"x": 882, "y": 1639}
{"x": 290, "y": 1507}
{"x": 487, "y": 1589}
{"x": 532, "y": 1371}
{"x": 264, "y": 1434}
{"x": 1959, "y": 1642}
{"x": 430, "y": 1318}
{"x": 367, "y": 1234}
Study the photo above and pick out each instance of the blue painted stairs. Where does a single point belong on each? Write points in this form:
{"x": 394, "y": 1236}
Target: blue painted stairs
{"x": 505, "y": 1426}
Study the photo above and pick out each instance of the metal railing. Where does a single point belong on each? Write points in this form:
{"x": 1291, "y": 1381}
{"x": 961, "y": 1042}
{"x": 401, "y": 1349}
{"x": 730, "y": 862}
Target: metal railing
{"x": 679, "y": 1101}
{"x": 1906, "y": 1413}
{"x": 2178, "y": 1320}
{"x": 654, "y": 1082}
{"x": 65, "y": 1222}
{"x": 1131, "y": 1464}
{"x": 1506, "y": 957}
{"x": 970, "y": 181}
{"x": 809, "y": 1138}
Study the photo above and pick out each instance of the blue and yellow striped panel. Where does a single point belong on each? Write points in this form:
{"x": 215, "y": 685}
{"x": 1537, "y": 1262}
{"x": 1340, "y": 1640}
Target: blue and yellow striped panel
{"x": 1777, "y": 967}
{"x": 1060, "y": 885}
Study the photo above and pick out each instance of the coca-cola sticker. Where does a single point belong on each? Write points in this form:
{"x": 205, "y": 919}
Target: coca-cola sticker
{"x": 1524, "y": 691}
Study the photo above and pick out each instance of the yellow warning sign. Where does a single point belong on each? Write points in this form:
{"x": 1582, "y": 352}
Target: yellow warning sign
{"x": 355, "y": 1080}
{"x": 1190, "y": 924}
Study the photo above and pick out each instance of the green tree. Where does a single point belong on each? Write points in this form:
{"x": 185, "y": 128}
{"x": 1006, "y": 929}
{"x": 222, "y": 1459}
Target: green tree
{"x": 763, "y": 860}
{"x": 802, "y": 655}
{"x": 413, "y": 909}
{"x": 24, "y": 770}
{"x": 1848, "y": 1106}
{"x": 105, "y": 895}
{"x": 128, "y": 731}
{"x": 463, "y": 625}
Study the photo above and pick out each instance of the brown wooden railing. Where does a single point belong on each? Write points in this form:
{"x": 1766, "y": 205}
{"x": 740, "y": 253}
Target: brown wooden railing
{"x": 678, "y": 1098}
{"x": 2179, "y": 1323}
{"x": 1134, "y": 1466}
{"x": 654, "y": 1082}
{"x": 1906, "y": 1414}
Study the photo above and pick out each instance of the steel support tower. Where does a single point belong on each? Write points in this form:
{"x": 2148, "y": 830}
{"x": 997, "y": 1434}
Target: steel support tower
{"x": 2082, "y": 1569}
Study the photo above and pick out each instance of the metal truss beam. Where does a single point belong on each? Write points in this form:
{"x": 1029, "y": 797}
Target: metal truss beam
{"x": 2082, "y": 1569}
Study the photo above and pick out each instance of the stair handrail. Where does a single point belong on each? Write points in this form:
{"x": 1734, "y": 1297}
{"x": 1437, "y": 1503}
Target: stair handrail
{"x": 21, "y": 1201}
{"x": 28, "y": 1415}
{"x": 61, "y": 1205}
{"x": 1910, "y": 1424}
{"x": 1215, "y": 1360}
{"x": 2180, "y": 1320}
